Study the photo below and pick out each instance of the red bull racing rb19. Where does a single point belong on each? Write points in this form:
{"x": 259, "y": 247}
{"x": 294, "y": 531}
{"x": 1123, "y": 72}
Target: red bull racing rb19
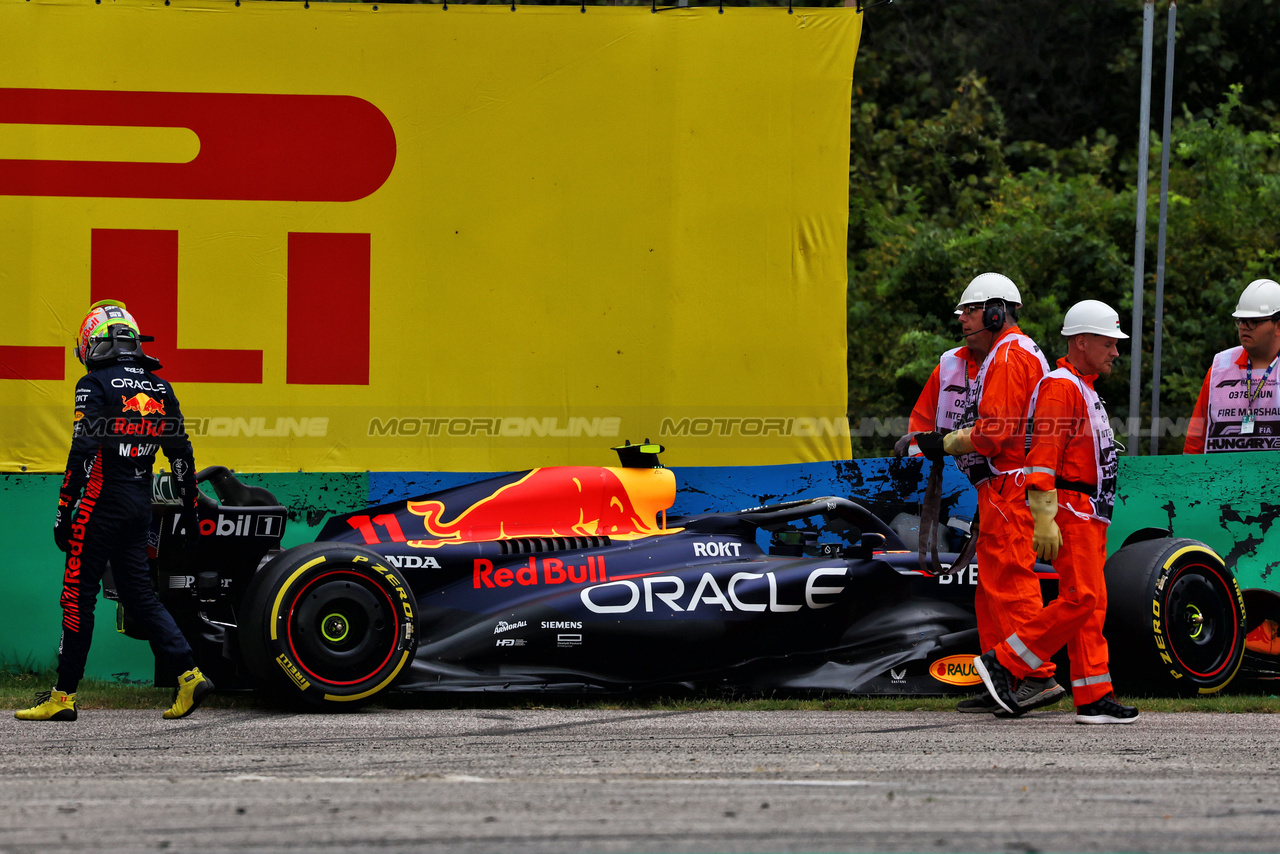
{"x": 575, "y": 579}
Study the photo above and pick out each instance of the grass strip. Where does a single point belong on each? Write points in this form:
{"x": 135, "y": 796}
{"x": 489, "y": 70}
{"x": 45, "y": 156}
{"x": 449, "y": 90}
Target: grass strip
{"x": 19, "y": 685}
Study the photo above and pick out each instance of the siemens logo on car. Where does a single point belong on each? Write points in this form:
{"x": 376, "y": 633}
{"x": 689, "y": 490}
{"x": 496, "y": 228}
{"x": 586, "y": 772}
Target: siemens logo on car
{"x": 743, "y": 592}
{"x": 572, "y": 624}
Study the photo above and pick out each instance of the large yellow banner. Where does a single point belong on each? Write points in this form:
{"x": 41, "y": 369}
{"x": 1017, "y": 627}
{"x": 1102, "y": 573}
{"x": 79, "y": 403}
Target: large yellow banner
{"x": 404, "y": 237}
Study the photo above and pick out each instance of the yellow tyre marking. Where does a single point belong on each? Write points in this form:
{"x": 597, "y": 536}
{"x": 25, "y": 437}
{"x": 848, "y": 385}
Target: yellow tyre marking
{"x": 275, "y": 609}
{"x": 384, "y": 683}
{"x": 1180, "y": 552}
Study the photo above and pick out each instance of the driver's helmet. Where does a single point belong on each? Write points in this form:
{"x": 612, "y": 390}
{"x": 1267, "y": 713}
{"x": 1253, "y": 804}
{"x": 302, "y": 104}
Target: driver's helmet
{"x": 107, "y": 332}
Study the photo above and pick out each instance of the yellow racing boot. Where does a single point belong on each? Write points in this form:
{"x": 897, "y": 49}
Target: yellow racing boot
{"x": 193, "y": 687}
{"x": 52, "y": 705}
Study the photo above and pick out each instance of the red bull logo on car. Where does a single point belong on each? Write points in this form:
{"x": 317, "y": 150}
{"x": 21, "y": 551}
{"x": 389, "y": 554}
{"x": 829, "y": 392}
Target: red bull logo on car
{"x": 546, "y": 571}
{"x": 143, "y": 404}
{"x": 560, "y": 502}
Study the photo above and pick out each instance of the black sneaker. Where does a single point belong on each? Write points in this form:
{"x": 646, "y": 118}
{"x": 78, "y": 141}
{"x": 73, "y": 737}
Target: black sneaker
{"x": 1108, "y": 710}
{"x": 1034, "y": 694}
{"x": 984, "y": 703}
{"x": 999, "y": 681}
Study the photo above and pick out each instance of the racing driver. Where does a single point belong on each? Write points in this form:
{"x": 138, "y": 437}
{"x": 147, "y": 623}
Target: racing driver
{"x": 124, "y": 413}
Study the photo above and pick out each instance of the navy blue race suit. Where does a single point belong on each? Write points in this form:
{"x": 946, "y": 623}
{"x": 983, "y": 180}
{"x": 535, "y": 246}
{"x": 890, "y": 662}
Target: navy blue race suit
{"x": 124, "y": 414}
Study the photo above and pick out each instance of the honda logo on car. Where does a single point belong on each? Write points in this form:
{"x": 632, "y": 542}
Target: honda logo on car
{"x": 412, "y": 561}
{"x": 670, "y": 591}
{"x": 955, "y": 670}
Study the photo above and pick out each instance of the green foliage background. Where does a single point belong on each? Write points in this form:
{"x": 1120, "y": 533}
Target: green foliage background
{"x": 997, "y": 135}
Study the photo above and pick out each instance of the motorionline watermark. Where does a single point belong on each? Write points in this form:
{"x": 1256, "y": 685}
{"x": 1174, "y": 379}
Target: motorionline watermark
{"x": 716, "y": 426}
{"x": 523, "y": 427}
{"x": 719, "y": 426}
{"x": 508, "y": 427}
{"x": 263, "y": 426}
{"x": 158, "y": 424}
{"x": 788, "y": 427}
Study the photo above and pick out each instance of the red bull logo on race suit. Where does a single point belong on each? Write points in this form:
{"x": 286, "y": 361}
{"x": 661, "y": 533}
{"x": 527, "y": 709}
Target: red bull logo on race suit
{"x": 143, "y": 404}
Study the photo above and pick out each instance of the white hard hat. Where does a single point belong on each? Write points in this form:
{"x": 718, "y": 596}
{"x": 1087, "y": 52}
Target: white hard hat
{"x": 1260, "y": 299}
{"x": 989, "y": 286}
{"x": 1092, "y": 316}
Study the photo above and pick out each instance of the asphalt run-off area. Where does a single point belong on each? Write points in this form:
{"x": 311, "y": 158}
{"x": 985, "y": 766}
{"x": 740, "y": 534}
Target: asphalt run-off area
{"x": 509, "y": 781}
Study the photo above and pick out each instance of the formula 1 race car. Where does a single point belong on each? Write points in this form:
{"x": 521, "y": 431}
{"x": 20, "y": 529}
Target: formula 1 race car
{"x": 575, "y": 579}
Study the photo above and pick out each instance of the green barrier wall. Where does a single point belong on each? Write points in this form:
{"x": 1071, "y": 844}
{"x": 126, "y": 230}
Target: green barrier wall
{"x": 1226, "y": 501}
{"x": 32, "y": 583}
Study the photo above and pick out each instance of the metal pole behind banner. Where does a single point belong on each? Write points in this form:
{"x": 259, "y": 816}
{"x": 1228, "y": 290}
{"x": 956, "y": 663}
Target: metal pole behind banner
{"x": 1140, "y": 241}
{"x": 1166, "y": 143}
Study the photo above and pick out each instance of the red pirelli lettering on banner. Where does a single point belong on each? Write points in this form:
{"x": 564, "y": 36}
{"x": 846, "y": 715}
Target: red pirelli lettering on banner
{"x": 253, "y": 147}
{"x": 140, "y": 266}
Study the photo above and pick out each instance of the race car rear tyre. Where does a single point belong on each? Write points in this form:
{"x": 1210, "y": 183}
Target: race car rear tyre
{"x": 1175, "y": 619}
{"x": 328, "y": 625}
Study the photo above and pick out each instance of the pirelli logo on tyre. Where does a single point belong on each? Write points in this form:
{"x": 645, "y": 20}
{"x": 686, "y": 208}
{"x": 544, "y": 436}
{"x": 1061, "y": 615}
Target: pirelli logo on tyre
{"x": 296, "y": 675}
{"x": 955, "y": 670}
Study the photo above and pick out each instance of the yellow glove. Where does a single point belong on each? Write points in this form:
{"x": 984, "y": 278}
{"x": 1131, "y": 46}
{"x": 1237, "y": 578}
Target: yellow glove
{"x": 958, "y": 442}
{"x": 1047, "y": 537}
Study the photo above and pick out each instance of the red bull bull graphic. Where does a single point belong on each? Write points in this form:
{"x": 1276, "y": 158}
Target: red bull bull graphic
{"x": 143, "y": 404}
{"x": 557, "y": 502}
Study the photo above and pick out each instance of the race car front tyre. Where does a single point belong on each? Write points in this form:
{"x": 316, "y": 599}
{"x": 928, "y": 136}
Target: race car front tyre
{"x": 327, "y": 624}
{"x": 1175, "y": 619}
